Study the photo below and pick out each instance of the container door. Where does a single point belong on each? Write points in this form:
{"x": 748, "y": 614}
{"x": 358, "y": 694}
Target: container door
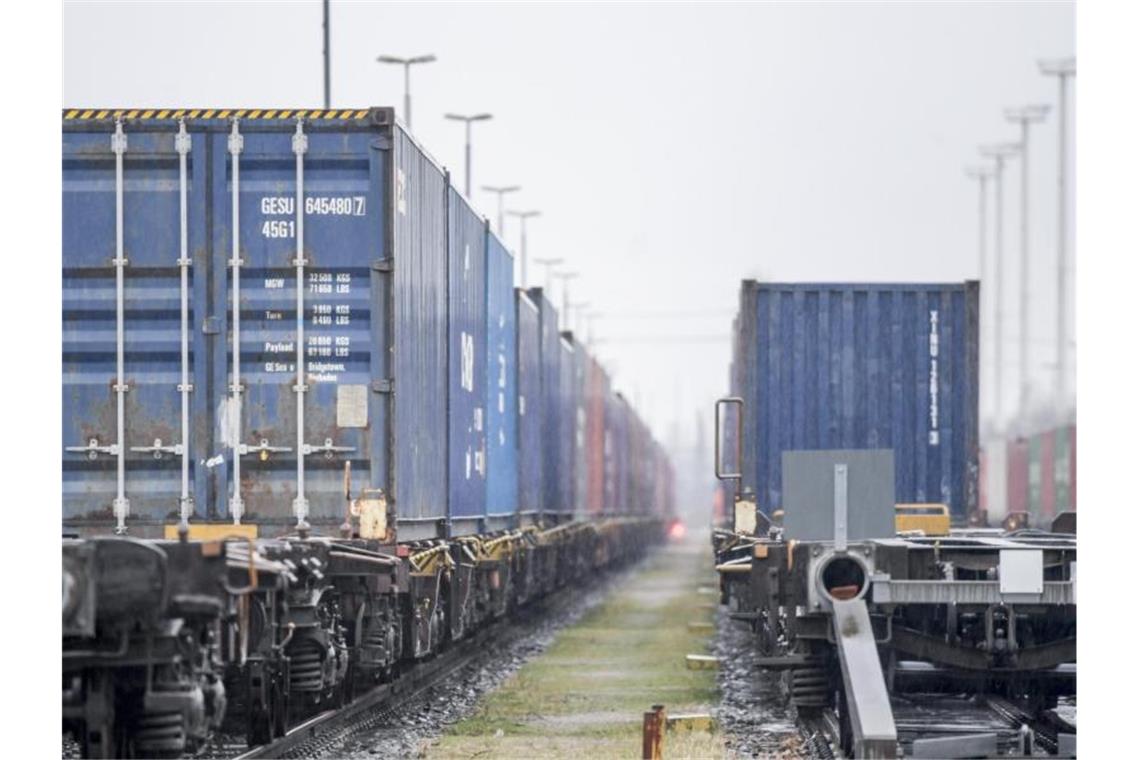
{"x": 133, "y": 346}
{"x": 298, "y": 403}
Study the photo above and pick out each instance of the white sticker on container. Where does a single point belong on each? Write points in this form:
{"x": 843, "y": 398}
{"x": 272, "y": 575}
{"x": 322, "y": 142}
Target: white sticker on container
{"x": 522, "y": 404}
{"x": 401, "y": 198}
{"x": 352, "y": 406}
{"x": 468, "y": 464}
{"x": 478, "y": 419}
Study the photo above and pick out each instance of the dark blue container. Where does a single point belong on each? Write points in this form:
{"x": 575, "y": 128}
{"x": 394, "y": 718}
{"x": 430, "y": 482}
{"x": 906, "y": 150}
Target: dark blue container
{"x": 363, "y": 309}
{"x": 530, "y": 407}
{"x": 467, "y": 365}
{"x": 502, "y": 387}
{"x": 550, "y": 350}
{"x": 854, "y": 366}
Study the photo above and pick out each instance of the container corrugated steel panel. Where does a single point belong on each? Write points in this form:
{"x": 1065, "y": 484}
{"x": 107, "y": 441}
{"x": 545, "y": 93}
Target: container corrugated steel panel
{"x": 1017, "y": 481}
{"x": 467, "y": 365}
{"x": 152, "y": 319}
{"x": 853, "y": 366}
{"x": 420, "y": 311}
{"x": 994, "y": 478}
{"x": 598, "y": 391}
{"x": 582, "y": 363}
{"x": 617, "y": 455}
{"x": 373, "y": 300}
{"x": 530, "y": 406}
{"x": 568, "y": 404}
{"x": 502, "y": 384}
{"x": 550, "y": 350}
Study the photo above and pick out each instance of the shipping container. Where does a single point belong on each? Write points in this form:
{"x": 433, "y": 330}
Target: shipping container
{"x": 502, "y": 388}
{"x": 550, "y": 351}
{"x": 994, "y": 478}
{"x": 857, "y": 366}
{"x": 616, "y": 454}
{"x": 598, "y": 390}
{"x": 467, "y": 365}
{"x": 1017, "y": 480}
{"x": 567, "y": 415}
{"x": 267, "y": 313}
{"x": 530, "y": 407}
{"x": 243, "y": 301}
{"x": 582, "y": 364}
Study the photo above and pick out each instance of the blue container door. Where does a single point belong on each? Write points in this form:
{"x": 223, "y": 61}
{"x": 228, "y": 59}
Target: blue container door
{"x": 502, "y": 384}
{"x": 530, "y": 407}
{"x": 292, "y": 461}
{"x": 152, "y": 305}
{"x": 467, "y": 365}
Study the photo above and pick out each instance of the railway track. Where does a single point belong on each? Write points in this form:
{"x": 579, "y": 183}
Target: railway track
{"x": 1020, "y": 731}
{"x": 328, "y": 730}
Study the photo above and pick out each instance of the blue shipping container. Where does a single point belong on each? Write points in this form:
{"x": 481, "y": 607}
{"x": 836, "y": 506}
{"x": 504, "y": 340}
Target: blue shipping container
{"x": 855, "y": 366}
{"x": 335, "y": 229}
{"x": 530, "y": 407}
{"x": 502, "y": 387}
{"x": 467, "y": 365}
{"x": 550, "y": 350}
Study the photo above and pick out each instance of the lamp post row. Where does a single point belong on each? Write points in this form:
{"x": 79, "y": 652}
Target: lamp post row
{"x": 1000, "y": 154}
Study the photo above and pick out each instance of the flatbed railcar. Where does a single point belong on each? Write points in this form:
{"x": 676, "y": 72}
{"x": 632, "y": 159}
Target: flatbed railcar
{"x": 312, "y": 431}
{"x": 850, "y": 538}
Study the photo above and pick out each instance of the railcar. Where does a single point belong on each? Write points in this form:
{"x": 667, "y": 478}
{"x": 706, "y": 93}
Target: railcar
{"x": 302, "y": 391}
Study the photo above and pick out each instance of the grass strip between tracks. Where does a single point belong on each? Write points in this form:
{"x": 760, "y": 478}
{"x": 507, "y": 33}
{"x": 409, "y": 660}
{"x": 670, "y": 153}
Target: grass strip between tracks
{"x": 586, "y": 694}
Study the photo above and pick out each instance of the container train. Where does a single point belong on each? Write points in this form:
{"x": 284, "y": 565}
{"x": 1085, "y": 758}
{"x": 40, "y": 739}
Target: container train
{"x": 311, "y": 432}
{"x": 851, "y": 405}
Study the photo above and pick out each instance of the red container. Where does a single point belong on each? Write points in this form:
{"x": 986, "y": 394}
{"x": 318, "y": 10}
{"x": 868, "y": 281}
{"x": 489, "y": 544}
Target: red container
{"x": 1017, "y": 479}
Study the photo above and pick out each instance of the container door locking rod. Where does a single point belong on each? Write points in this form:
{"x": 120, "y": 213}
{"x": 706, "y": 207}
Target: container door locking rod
{"x": 185, "y": 503}
{"x": 120, "y": 506}
{"x": 235, "y": 143}
{"x": 300, "y": 145}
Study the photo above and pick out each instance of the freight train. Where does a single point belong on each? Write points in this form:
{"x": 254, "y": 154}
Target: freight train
{"x": 850, "y": 435}
{"x": 312, "y": 432}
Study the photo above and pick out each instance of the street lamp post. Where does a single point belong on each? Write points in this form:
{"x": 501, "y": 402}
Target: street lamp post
{"x": 407, "y": 63}
{"x": 1026, "y": 115}
{"x": 1063, "y": 69}
{"x": 579, "y": 309}
{"x": 522, "y": 216}
{"x": 566, "y": 277}
{"x": 501, "y": 191}
{"x": 1000, "y": 153}
{"x": 467, "y": 155}
{"x": 982, "y": 175}
{"x": 548, "y": 263}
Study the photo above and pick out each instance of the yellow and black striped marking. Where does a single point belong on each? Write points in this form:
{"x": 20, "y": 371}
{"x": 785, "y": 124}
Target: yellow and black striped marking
{"x": 163, "y": 114}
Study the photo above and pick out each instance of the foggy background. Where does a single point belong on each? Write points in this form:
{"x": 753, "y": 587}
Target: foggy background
{"x": 672, "y": 150}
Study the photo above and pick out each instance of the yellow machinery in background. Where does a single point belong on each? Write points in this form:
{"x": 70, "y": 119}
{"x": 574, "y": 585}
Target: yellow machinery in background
{"x": 931, "y": 519}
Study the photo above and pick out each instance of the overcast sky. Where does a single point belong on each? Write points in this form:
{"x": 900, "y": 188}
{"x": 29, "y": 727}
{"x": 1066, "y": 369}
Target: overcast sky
{"x": 672, "y": 149}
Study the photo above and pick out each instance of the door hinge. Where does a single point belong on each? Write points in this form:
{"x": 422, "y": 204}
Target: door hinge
{"x": 382, "y": 265}
{"x": 386, "y": 385}
{"x": 211, "y": 326}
